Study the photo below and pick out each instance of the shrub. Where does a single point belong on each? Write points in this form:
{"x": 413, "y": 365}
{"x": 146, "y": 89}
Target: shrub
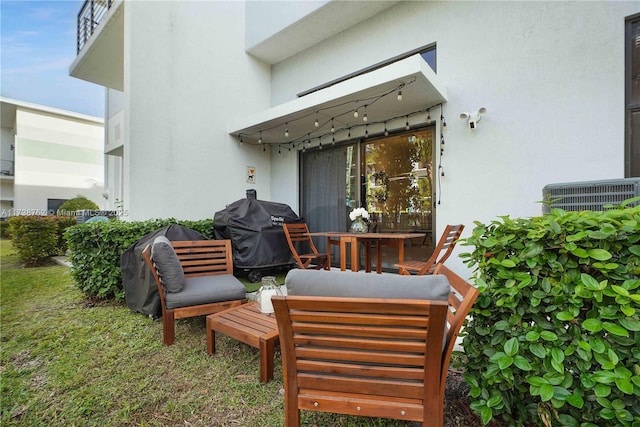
{"x": 76, "y": 204}
{"x": 5, "y": 230}
{"x": 35, "y": 238}
{"x": 554, "y": 337}
{"x": 95, "y": 250}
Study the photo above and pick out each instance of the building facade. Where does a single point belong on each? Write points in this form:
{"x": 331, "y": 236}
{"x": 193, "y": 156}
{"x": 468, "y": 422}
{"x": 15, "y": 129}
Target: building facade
{"x": 48, "y": 156}
{"x": 209, "y": 99}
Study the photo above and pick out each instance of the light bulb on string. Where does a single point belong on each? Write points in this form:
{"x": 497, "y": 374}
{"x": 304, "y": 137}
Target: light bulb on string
{"x": 264, "y": 148}
{"x": 406, "y": 126}
{"x": 444, "y": 124}
{"x": 333, "y": 128}
{"x": 429, "y": 115}
{"x": 241, "y": 141}
{"x": 286, "y": 130}
{"x": 279, "y": 152}
{"x": 399, "y": 95}
{"x": 289, "y": 147}
{"x": 364, "y": 117}
{"x": 316, "y": 123}
{"x": 366, "y": 131}
{"x": 386, "y": 131}
{"x": 260, "y": 138}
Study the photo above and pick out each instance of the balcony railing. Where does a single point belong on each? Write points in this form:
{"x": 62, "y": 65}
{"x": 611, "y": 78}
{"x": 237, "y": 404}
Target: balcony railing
{"x": 6, "y": 168}
{"x": 89, "y": 17}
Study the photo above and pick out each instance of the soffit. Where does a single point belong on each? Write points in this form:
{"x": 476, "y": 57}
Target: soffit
{"x": 327, "y": 21}
{"x": 421, "y": 89}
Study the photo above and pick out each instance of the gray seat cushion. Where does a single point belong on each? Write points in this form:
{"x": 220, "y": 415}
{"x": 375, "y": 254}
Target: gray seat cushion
{"x": 167, "y": 264}
{"x": 336, "y": 283}
{"x": 205, "y": 290}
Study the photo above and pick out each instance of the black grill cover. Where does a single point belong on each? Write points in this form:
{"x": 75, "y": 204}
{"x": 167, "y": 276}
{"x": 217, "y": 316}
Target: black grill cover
{"x": 140, "y": 289}
{"x": 255, "y": 230}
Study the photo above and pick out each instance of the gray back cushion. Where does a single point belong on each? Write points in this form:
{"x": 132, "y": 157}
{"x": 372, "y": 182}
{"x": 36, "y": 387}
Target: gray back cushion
{"x": 168, "y": 264}
{"x": 366, "y": 285}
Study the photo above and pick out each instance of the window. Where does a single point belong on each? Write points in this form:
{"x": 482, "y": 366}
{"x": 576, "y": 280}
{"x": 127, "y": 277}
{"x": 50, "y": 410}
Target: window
{"x": 428, "y": 53}
{"x": 632, "y": 104}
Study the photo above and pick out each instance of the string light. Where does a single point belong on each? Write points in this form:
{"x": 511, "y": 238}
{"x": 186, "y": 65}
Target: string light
{"x": 366, "y": 131}
{"x": 386, "y": 126}
{"x": 399, "y": 95}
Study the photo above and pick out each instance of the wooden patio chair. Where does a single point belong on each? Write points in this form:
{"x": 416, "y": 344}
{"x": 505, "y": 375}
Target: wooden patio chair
{"x": 197, "y": 282}
{"x": 370, "y": 356}
{"x": 298, "y": 237}
{"x": 442, "y": 251}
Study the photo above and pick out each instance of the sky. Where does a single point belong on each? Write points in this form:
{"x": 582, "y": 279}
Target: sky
{"x": 37, "y": 47}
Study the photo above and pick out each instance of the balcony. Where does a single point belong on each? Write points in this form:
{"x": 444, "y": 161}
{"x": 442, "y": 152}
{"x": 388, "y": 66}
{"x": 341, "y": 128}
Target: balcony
{"x": 7, "y": 168}
{"x": 89, "y": 17}
{"x": 100, "y": 41}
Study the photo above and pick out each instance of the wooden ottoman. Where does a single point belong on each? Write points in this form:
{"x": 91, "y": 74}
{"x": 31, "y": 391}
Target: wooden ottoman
{"x": 247, "y": 324}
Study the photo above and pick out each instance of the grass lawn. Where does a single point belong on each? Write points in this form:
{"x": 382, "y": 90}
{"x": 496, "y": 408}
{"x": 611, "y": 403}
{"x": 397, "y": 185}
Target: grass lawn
{"x": 68, "y": 361}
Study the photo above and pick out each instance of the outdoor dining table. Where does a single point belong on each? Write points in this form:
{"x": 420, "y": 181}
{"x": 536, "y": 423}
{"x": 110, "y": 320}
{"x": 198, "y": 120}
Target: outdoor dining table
{"x": 395, "y": 240}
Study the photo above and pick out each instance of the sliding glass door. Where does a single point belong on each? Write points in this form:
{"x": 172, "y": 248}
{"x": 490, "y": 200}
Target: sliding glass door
{"x": 392, "y": 177}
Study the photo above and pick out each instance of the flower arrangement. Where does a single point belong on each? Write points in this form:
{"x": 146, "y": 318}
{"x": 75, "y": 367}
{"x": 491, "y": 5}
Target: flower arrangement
{"x": 359, "y": 213}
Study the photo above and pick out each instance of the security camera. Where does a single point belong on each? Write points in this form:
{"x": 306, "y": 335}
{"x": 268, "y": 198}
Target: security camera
{"x": 474, "y": 117}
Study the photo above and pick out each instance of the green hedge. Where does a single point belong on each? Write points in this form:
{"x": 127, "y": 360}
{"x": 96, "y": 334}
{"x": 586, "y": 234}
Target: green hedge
{"x": 37, "y": 238}
{"x": 95, "y": 250}
{"x": 554, "y": 337}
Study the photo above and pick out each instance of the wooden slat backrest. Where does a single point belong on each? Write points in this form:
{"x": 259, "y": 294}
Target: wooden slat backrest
{"x": 204, "y": 257}
{"x": 370, "y": 357}
{"x": 441, "y": 253}
{"x": 297, "y": 233}
{"x": 299, "y": 241}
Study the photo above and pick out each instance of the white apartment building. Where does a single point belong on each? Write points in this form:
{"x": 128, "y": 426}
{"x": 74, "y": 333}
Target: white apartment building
{"x": 207, "y": 99}
{"x": 48, "y": 156}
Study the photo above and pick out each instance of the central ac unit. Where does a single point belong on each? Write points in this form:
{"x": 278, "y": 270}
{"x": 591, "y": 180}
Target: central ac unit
{"x": 589, "y": 195}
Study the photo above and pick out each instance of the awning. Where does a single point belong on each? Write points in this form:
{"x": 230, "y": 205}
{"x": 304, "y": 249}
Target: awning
{"x": 374, "y": 95}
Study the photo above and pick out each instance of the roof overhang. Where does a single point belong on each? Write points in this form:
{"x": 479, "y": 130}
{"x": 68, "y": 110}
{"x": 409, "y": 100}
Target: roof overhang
{"x": 377, "y": 90}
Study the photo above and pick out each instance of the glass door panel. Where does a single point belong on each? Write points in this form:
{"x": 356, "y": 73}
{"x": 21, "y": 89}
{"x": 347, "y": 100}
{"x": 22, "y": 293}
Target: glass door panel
{"x": 398, "y": 188}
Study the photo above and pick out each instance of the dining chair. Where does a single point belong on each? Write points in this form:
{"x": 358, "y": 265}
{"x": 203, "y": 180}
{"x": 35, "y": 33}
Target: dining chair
{"x": 302, "y": 247}
{"x": 443, "y": 250}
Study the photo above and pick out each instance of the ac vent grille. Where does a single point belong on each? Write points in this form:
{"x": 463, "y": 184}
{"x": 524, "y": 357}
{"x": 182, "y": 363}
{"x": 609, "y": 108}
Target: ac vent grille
{"x": 589, "y": 195}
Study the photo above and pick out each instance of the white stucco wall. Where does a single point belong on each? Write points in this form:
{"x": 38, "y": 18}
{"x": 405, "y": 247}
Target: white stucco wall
{"x": 554, "y": 96}
{"x": 56, "y": 157}
{"x": 186, "y": 76}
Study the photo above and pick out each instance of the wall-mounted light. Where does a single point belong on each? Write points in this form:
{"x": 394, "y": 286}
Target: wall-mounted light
{"x": 473, "y": 118}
